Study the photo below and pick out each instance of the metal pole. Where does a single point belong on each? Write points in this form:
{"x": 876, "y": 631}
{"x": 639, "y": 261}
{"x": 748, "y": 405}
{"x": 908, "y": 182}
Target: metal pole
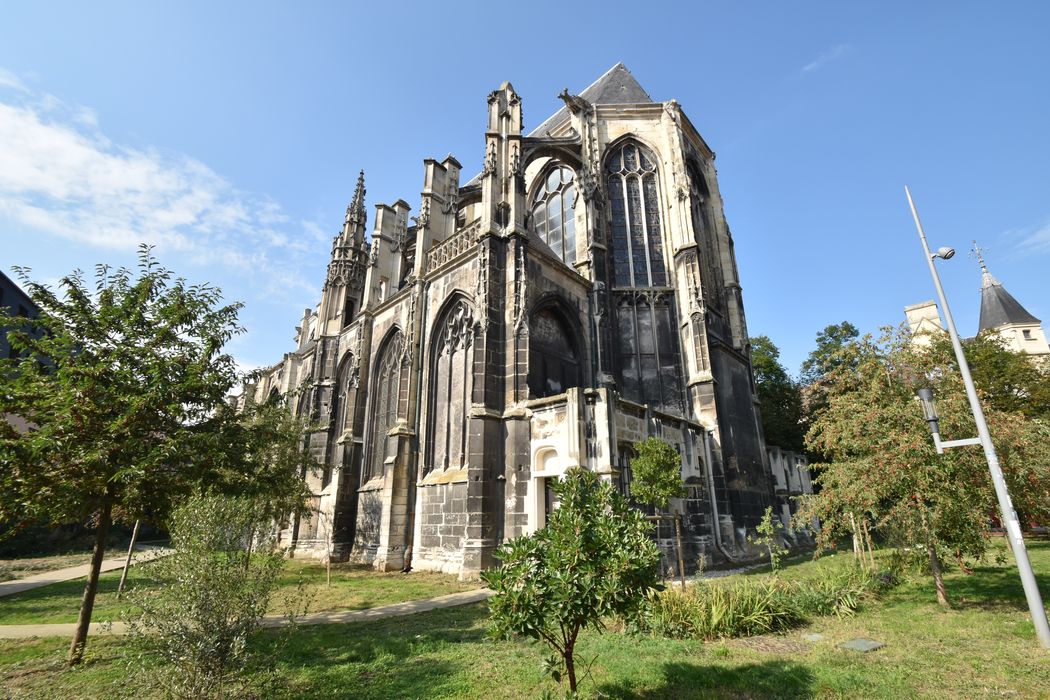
{"x": 1006, "y": 506}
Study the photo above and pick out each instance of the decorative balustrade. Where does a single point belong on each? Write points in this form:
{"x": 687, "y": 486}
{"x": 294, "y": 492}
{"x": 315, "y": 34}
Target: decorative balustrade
{"x": 457, "y": 244}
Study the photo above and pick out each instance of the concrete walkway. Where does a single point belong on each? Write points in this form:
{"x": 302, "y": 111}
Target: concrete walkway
{"x": 143, "y": 553}
{"x": 321, "y": 618}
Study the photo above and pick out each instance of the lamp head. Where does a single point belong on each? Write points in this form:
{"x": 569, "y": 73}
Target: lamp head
{"x": 929, "y": 409}
{"x": 945, "y": 253}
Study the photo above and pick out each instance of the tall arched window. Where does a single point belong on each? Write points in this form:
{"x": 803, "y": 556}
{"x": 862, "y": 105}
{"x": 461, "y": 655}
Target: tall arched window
{"x": 637, "y": 242}
{"x": 646, "y": 347}
{"x": 552, "y": 211}
{"x": 553, "y": 362}
{"x": 451, "y": 382}
{"x": 385, "y": 390}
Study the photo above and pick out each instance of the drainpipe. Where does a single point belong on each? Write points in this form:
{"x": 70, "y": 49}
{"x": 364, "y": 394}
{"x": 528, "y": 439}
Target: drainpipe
{"x": 410, "y": 525}
{"x": 716, "y": 526}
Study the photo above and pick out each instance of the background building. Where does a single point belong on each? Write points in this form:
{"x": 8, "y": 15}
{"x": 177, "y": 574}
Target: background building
{"x": 576, "y": 296}
{"x": 1001, "y": 315}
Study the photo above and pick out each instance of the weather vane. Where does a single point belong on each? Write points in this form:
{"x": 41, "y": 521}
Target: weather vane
{"x": 978, "y": 254}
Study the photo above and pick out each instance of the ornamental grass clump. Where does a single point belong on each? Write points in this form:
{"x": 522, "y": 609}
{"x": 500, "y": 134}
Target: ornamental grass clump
{"x": 749, "y": 607}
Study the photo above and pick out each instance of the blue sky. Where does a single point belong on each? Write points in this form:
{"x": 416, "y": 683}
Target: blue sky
{"x": 230, "y": 135}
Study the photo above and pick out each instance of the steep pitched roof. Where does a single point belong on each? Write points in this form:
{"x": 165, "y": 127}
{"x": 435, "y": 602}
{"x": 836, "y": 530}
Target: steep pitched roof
{"x": 615, "y": 87}
{"x": 998, "y": 307}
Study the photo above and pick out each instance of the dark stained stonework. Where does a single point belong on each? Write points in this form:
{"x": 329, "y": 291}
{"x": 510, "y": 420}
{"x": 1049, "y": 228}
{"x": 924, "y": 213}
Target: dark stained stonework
{"x": 579, "y": 295}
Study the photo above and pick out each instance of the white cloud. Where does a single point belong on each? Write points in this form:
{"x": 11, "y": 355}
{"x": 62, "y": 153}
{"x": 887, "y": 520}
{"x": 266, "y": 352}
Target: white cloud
{"x": 60, "y": 175}
{"x": 10, "y": 80}
{"x": 835, "y": 52}
{"x": 1035, "y": 239}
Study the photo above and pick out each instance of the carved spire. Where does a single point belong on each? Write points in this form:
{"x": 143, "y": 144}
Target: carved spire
{"x": 355, "y": 213}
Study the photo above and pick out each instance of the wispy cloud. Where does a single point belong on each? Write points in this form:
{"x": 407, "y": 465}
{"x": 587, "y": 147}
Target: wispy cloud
{"x": 1031, "y": 240}
{"x": 60, "y": 175}
{"x": 10, "y": 80}
{"x": 834, "y": 53}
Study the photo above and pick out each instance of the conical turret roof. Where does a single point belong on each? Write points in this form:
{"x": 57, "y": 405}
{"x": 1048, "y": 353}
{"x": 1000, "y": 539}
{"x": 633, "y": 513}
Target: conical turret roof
{"x": 998, "y": 307}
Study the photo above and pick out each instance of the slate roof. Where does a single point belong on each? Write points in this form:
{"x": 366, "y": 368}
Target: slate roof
{"x": 998, "y": 307}
{"x": 615, "y": 87}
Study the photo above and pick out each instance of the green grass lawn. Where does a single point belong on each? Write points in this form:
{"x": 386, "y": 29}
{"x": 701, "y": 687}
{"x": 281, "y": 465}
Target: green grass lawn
{"x": 354, "y": 587}
{"x": 985, "y": 647}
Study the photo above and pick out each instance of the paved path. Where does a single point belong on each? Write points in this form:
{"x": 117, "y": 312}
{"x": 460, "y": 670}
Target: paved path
{"x": 322, "y": 618}
{"x": 143, "y": 553}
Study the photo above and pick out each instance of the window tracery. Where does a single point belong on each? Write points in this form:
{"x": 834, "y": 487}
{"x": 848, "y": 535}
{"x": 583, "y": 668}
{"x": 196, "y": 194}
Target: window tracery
{"x": 386, "y": 392}
{"x": 637, "y": 235}
{"x": 451, "y": 383}
{"x": 552, "y": 211}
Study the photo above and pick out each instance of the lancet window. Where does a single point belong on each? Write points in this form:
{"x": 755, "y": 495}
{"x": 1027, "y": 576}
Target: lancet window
{"x": 386, "y": 390}
{"x": 637, "y": 243}
{"x": 647, "y": 349}
{"x": 646, "y": 346}
{"x": 451, "y": 382}
{"x": 552, "y": 211}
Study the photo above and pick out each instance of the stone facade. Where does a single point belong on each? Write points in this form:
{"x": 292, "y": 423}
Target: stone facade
{"x": 576, "y": 296}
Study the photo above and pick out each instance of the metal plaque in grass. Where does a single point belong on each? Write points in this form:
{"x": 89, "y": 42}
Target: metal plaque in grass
{"x": 861, "y": 644}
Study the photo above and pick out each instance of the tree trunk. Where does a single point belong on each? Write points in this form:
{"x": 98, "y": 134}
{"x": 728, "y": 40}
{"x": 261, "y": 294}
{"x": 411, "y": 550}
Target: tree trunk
{"x": 76, "y": 649}
{"x": 570, "y": 668}
{"x": 856, "y": 538}
{"x": 678, "y": 543}
{"x": 127, "y": 562}
{"x": 938, "y": 577}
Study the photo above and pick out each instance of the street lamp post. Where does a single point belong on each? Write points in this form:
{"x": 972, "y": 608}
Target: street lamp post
{"x": 1006, "y": 506}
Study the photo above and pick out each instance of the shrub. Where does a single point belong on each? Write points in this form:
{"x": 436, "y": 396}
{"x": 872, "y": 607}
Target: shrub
{"x": 211, "y": 596}
{"x": 594, "y": 559}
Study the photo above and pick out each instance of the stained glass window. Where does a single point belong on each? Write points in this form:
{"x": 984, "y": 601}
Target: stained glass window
{"x": 552, "y": 212}
{"x": 553, "y": 364}
{"x": 637, "y": 243}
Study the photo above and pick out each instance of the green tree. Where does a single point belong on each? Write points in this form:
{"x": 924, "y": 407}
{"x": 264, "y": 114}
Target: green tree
{"x": 767, "y": 534}
{"x": 123, "y": 383}
{"x": 656, "y": 473}
{"x": 882, "y": 463}
{"x": 594, "y": 559}
{"x": 780, "y": 396}
{"x": 1009, "y": 381}
{"x": 827, "y": 356}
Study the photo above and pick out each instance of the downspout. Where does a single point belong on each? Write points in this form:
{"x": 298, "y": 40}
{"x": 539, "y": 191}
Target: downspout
{"x": 410, "y": 525}
{"x": 716, "y": 526}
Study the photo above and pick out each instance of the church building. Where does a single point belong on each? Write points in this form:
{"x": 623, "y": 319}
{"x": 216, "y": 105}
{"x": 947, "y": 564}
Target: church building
{"x": 577, "y": 295}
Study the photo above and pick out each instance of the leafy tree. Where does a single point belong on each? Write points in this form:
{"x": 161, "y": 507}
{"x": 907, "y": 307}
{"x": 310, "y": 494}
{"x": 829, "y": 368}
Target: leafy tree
{"x": 882, "y": 463}
{"x": 767, "y": 534}
{"x": 123, "y": 383}
{"x": 656, "y": 473}
{"x": 207, "y": 599}
{"x": 1010, "y": 381}
{"x": 827, "y": 356}
{"x": 594, "y": 559}
{"x": 780, "y": 396}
